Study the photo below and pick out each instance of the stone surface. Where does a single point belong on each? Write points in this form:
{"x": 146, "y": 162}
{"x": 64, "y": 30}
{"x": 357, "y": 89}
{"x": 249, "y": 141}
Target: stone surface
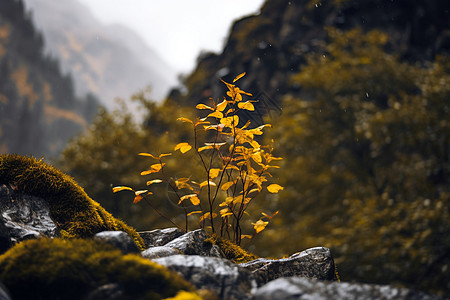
{"x": 193, "y": 243}
{"x": 226, "y": 279}
{"x": 110, "y": 291}
{"x": 25, "y": 216}
{"x": 160, "y": 237}
{"x": 312, "y": 263}
{"x": 5, "y": 238}
{"x": 304, "y": 288}
{"x": 3, "y": 293}
{"x": 161, "y": 251}
{"x": 119, "y": 239}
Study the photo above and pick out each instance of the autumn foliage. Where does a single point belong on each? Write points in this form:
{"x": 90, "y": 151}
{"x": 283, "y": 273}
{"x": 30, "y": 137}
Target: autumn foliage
{"x": 236, "y": 168}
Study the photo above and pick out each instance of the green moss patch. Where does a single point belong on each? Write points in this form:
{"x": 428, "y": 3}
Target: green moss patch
{"x": 74, "y": 212}
{"x": 69, "y": 269}
{"x": 232, "y": 251}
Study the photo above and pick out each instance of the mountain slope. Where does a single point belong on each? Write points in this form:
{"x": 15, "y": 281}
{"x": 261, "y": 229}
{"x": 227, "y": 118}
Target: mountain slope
{"x": 38, "y": 108}
{"x": 271, "y": 45}
{"x": 110, "y": 61}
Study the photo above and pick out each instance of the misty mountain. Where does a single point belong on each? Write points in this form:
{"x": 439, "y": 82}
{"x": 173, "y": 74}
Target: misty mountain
{"x": 108, "y": 60}
{"x": 39, "y": 112}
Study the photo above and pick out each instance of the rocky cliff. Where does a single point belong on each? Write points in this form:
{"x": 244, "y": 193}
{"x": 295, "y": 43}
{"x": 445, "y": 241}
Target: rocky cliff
{"x": 271, "y": 45}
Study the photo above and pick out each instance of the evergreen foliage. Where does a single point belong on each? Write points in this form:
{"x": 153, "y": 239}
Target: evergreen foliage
{"x": 367, "y": 162}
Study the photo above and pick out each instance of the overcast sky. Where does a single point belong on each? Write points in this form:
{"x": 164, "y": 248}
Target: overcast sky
{"x": 176, "y": 29}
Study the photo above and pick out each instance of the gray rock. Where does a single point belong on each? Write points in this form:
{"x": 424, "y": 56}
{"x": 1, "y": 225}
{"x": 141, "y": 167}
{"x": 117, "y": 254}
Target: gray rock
{"x": 193, "y": 243}
{"x": 3, "y": 293}
{"x": 161, "y": 251}
{"x": 110, "y": 291}
{"x": 5, "y": 238}
{"x": 304, "y": 288}
{"x": 312, "y": 263}
{"x": 160, "y": 237}
{"x": 226, "y": 279}
{"x": 25, "y": 216}
{"x": 118, "y": 239}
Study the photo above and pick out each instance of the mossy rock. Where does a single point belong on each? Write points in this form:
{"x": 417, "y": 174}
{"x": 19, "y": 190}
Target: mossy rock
{"x": 73, "y": 211}
{"x": 71, "y": 268}
{"x": 231, "y": 250}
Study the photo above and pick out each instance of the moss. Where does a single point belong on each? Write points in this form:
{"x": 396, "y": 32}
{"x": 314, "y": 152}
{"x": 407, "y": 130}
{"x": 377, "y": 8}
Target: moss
{"x": 336, "y": 274}
{"x": 69, "y": 269}
{"x": 231, "y": 250}
{"x": 183, "y": 295}
{"x": 75, "y": 213}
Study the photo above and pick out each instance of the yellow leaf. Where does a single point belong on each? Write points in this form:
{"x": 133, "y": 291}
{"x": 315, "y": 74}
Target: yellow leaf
{"x": 208, "y": 216}
{"x": 254, "y": 190}
{"x": 137, "y": 193}
{"x": 259, "y": 226}
{"x": 257, "y": 157}
{"x": 274, "y": 188}
{"x": 213, "y": 173}
{"x": 216, "y": 114}
{"x": 205, "y": 148}
{"x": 121, "y": 188}
{"x": 153, "y": 169}
{"x": 227, "y": 185}
{"x": 216, "y": 145}
{"x": 186, "y": 197}
{"x": 225, "y": 212}
{"x": 137, "y": 199}
{"x": 201, "y": 122}
{"x": 246, "y": 236}
{"x": 154, "y": 181}
{"x": 185, "y": 120}
{"x": 233, "y": 167}
{"x": 195, "y": 200}
{"x": 238, "y": 77}
{"x": 195, "y": 212}
{"x": 183, "y": 147}
{"x": 230, "y": 121}
{"x": 148, "y": 154}
{"x": 213, "y": 127}
{"x": 155, "y": 157}
{"x": 246, "y": 105}
{"x": 255, "y": 144}
{"x": 227, "y": 201}
{"x": 182, "y": 184}
{"x": 205, "y": 183}
{"x": 203, "y": 106}
{"x": 222, "y": 105}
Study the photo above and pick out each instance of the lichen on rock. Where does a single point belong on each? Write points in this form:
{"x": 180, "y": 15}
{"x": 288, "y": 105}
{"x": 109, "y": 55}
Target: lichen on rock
{"x": 231, "y": 250}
